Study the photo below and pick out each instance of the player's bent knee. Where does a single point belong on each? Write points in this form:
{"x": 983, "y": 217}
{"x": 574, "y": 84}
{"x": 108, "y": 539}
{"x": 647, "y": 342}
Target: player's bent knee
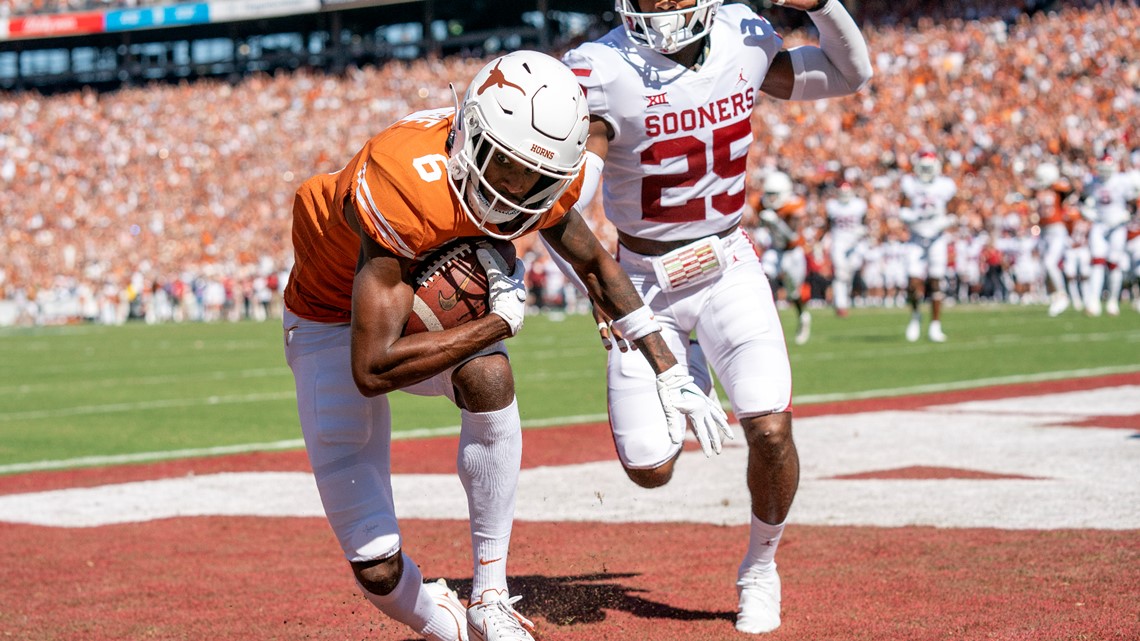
{"x": 651, "y": 478}
{"x": 769, "y": 432}
{"x": 379, "y": 576}
{"x": 484, "y": 384}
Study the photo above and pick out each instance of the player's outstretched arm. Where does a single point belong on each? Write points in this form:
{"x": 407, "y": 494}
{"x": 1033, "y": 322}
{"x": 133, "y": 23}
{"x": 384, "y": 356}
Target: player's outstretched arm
{"x": 610, "y": 289}
{"x": 839, "y": 66}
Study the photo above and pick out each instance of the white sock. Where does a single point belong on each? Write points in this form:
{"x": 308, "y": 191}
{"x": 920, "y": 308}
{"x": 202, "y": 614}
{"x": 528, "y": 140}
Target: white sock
{"x": 1074, "y": 291}
{"x": 413, "y": 606}
{"x": 1096, "y": 286}
{"x": 763, "y": 539}
{"x": 839, "y": 291}
{"x": 490, "y": 453}
{"x": 1115, "y": 283}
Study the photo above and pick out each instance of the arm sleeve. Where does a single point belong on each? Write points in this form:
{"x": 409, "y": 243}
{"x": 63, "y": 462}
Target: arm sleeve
{"x": 840, "y": 65}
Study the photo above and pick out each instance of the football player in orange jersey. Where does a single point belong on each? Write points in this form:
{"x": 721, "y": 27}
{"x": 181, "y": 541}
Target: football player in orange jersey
{"x": 505, "y": 163}
{"x": 784, "y": 213}
{"x": 1047, "y": 196}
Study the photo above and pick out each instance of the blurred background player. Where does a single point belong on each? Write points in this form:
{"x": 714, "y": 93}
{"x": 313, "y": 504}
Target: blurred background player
{"x": 784, "y": 215}
{"x": 672, "y": 93}
{"x": 968, "y": 243}
{"x": 1109, "y": 200}
{"x": 925, "y": 209}
{"x": 846, "y": 216}
{"x": 1077, "y": 265}
{"x": 1048, "y": 195}
{"x": 1133, "y": 247}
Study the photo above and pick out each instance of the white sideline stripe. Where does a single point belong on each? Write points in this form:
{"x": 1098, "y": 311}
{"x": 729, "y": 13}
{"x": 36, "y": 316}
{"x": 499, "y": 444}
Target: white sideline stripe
{"x": 972, "y": 383}
{"x": 112, "y": 408}
{"x": 245, "y": 448}
{"x": 142, "y": 457}
{"x": 1053, "y": 474}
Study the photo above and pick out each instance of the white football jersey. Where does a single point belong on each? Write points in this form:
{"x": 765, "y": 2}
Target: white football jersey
{"x": 675, "y": 167}
{"x": 928, "y": 202}
{"x": 846, "y": 219}
{"x": 1111, "y": 198}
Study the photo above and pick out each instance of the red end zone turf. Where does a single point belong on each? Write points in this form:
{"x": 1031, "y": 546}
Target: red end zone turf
{"x": 250, "y": 578}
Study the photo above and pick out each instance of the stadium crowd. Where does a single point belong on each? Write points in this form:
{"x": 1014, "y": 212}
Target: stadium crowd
{"x": 173, "y": 202}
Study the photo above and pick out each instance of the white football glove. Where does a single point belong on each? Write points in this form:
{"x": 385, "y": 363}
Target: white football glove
{"x": 683, "y": 401}
{"x": 506, "y": 293}
{"x": 769, "y": 216}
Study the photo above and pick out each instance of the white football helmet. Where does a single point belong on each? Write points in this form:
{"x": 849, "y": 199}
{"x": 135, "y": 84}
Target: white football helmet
{"x": 667, "y": 31}
{"x": 528, "y": 106}
{"x": 777, "y": 190}
{"x": 1105, "y": 167}
{"x": 1046, "y": 175}
{"x": 927, "y": 166}
{"x": 846, "y": 192}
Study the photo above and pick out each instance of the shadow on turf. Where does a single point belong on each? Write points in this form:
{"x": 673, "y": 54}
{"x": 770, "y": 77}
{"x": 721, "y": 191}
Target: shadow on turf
{"x": 567, "y": 600}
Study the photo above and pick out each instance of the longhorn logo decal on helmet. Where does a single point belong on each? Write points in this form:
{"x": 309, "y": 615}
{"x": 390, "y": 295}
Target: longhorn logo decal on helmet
{"x": 498, "y": 79}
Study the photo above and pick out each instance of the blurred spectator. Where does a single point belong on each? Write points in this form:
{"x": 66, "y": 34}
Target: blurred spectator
{"x": 153, "y": 198}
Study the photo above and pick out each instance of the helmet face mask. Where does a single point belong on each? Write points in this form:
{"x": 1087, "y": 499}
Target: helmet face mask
{"x": 1105, "y": 167}
{"x": 927, "y": 167}
{"x": 667, "y": 32}
{"x": 846, "y": 192}
{"x": 522, "y": 112}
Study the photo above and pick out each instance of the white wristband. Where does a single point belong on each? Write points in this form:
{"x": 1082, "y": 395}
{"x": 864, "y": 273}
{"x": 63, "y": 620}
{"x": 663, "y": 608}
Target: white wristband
{"x": 637, "y": 324}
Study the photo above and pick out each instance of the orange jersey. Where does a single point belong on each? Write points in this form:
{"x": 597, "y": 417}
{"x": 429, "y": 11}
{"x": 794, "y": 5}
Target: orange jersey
{"x": 403, "y": 199}
{"x": 1050, "y": 205}
{"x": 793, "y": 213}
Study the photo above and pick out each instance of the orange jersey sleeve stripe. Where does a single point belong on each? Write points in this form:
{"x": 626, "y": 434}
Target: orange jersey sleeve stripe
{"x": 366, "y": 204}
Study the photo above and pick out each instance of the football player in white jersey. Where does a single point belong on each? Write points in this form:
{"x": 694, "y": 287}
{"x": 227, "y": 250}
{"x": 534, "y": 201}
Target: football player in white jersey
{"x": 846, "y": 213}
{"x": 926, "y": 196}
{"x": 1109, "y": 201}
{"x": 671, "y": 93}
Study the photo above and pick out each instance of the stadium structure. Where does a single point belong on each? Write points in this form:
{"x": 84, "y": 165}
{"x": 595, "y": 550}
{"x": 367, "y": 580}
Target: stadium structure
{"x": 110, "y": 48}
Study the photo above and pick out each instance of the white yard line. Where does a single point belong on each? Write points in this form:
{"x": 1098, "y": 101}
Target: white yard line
{"x": 142, "y": 457}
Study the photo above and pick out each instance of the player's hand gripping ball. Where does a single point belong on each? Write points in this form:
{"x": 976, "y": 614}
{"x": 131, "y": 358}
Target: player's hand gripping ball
{"x": 451, "y": 285}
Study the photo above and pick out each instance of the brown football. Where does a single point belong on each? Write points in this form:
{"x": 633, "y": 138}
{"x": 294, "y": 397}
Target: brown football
{"x": 451, "y": 286}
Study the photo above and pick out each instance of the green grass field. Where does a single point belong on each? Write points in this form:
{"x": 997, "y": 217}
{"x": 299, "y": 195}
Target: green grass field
{"x": 93, "y": 391}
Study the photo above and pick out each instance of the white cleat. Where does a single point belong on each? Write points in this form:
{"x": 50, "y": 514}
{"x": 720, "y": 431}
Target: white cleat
{"x": 935, "y": 333}
{"x": 448, "y": 600}
{"x": 1058, "y": 306}
{"x": 1112, "y": 308}
{"x": 759, "y": 609}
{"x": 1093, "y": 308}
{"x": 913, "y": 329}
{"x": 492, "y": 618}
{"x": 803, "y": 334}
